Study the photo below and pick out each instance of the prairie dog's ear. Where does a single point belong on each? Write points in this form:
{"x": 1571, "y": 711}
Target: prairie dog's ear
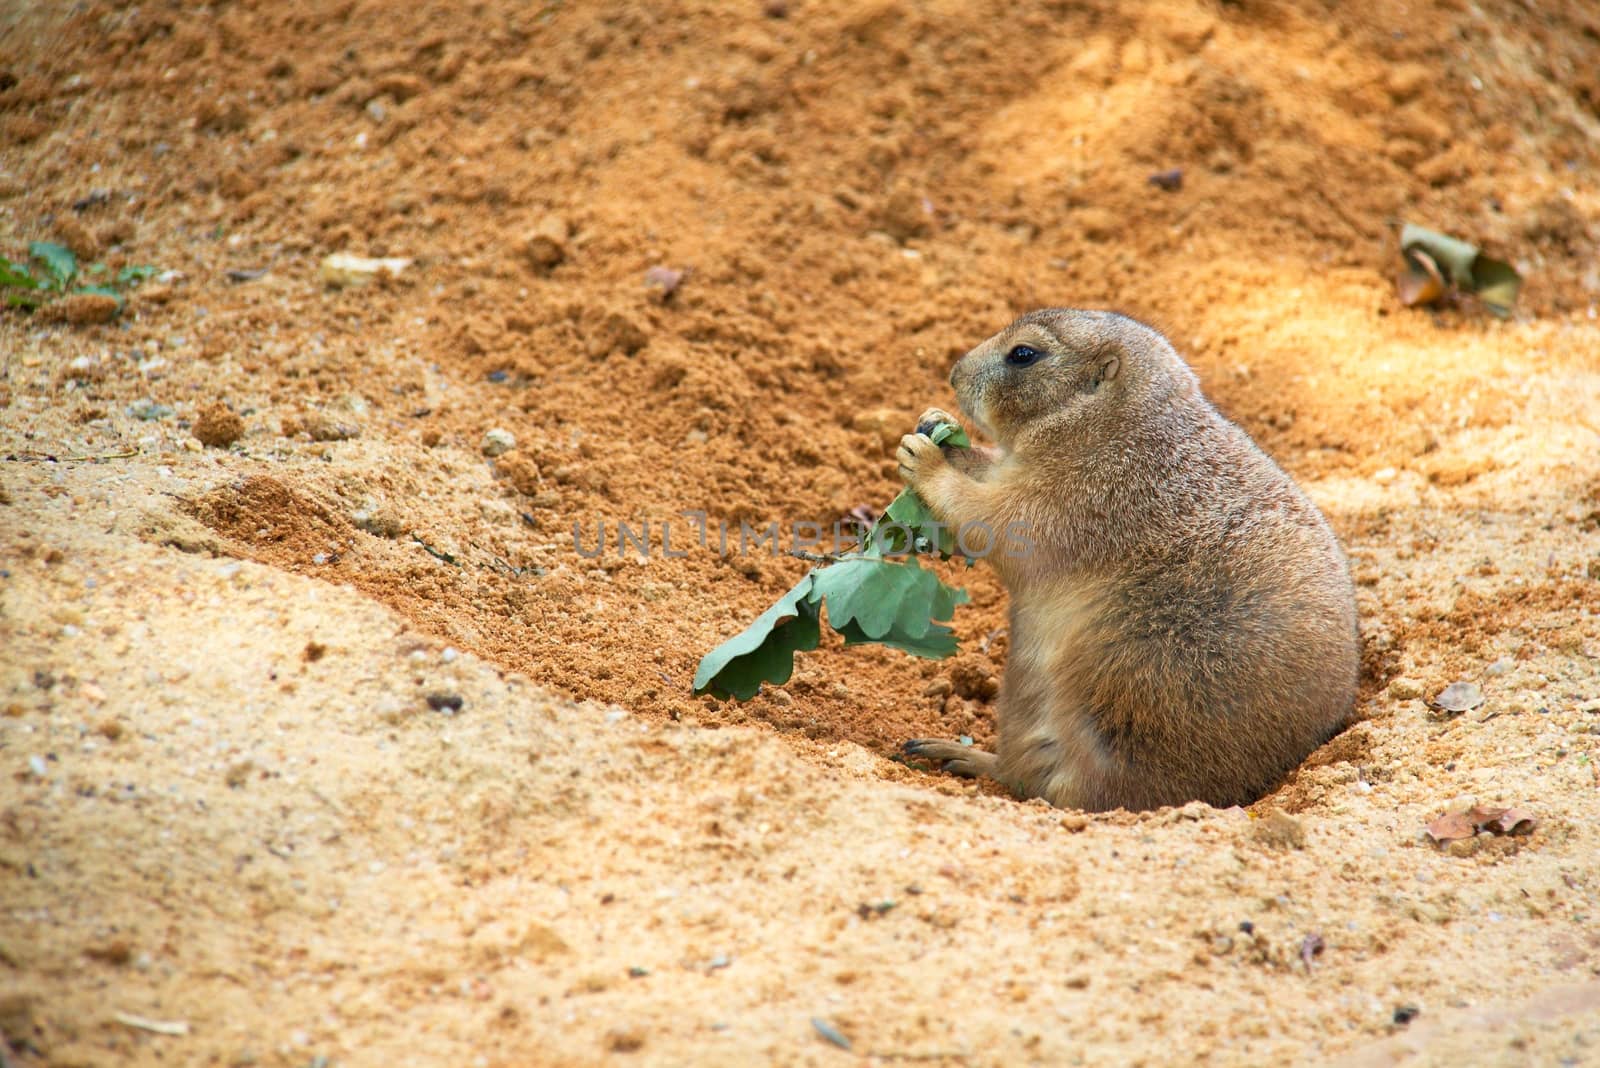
{"x": 1109, "y": 366}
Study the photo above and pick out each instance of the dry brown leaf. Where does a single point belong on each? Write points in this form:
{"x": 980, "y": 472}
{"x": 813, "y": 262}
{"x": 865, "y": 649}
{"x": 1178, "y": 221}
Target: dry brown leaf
{"x": 1436, "y": 266}
{"x": 1454, "y": 826}
{"x": 1459, "y": 697}
{"x": 1451, "y": 827}
{"x": 1513, "y": 821}
{"x": 1420, "y": 281}
{"x": 665, "y": 279}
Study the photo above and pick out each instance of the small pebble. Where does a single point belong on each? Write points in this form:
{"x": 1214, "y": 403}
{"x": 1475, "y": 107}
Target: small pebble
{"x": 1404, "y": 689}
{"x": 343, "y": 269}
{"x": 546, "y": 245}
{"x": 37, "y": 766}
{"x": 829, "y": 1032}
{"x": 625, "y": 1039}
{"x": 449, "y": 703}
{"x": 1501, "y": 666}
{"x": 449, "y": 655}
{"x": 1171, "y": 180}
{"x": 498, "y": 442}
{"x": 1279, "y": 830}
{"x": 664, "y": 280}
{"x": 147, "y": 409}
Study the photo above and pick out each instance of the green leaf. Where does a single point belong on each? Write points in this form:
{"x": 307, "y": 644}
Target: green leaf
{"x": 763, "y": 651}
{"x": 867, "y": 591}
{"x": 1452, "y": 254}
{"x": 908, "y": 515}
{"x": 96, "y": 269}
{"x": 938, "y": 643}
{"x": 1497, "y": 284}
{"x": 57, "y": 259}
{"x": 869, "y": 599}
{"x": 14, "y": 275}
{"x": 943, "y": 600}
{"x": 136, "y": 273}
{"x": 950, "y": 434}
{"x": 893, "y": 604}
{"x": 882, "y": 599}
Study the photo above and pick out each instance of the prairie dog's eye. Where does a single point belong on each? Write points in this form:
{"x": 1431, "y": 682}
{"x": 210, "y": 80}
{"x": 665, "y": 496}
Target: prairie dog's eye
{"x": 1023, "y": 355}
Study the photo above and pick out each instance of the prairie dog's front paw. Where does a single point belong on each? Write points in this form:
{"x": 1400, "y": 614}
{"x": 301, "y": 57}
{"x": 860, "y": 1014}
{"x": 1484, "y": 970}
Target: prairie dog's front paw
{"x": 933, "y": 417}
{"x": 918, "y": 458}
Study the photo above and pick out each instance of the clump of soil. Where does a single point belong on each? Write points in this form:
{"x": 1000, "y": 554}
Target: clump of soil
{"x": 82, "y": 309}
{"x": 218, "y": 426}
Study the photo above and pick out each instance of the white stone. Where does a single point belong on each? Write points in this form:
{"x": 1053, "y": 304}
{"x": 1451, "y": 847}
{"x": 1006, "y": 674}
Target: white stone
{"x": 497, "y": 442}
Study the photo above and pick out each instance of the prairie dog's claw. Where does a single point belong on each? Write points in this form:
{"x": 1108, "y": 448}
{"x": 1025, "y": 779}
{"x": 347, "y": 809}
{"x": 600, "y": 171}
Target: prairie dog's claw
{"x": 953, "y": 758}
{"x": 932, "y": 418}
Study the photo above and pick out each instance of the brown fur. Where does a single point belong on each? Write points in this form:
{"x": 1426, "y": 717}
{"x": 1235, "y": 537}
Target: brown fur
{"x": 1183, "y": 623}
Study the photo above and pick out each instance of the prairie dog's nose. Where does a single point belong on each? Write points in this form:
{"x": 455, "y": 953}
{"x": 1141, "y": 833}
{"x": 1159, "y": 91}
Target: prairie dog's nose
{"x": 961, "y": 373}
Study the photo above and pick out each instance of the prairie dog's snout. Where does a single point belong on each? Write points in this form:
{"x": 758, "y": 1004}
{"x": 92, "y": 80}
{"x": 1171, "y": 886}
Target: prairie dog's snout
{"x": 964, "y": 380}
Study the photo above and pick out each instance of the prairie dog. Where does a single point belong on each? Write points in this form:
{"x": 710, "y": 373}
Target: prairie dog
{"x": 1183, "y": 623}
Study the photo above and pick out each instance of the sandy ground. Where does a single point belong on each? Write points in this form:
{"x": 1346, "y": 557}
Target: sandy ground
{"x": 328, "y": 746}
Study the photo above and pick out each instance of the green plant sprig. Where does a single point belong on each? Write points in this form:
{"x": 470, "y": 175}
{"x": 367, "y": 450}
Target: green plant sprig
{"x": 57, "y": 271}
{"x": 879, "y": 594}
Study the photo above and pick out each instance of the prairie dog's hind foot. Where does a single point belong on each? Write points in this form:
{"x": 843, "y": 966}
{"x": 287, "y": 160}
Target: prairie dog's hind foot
{"x": 953, "y": 757}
